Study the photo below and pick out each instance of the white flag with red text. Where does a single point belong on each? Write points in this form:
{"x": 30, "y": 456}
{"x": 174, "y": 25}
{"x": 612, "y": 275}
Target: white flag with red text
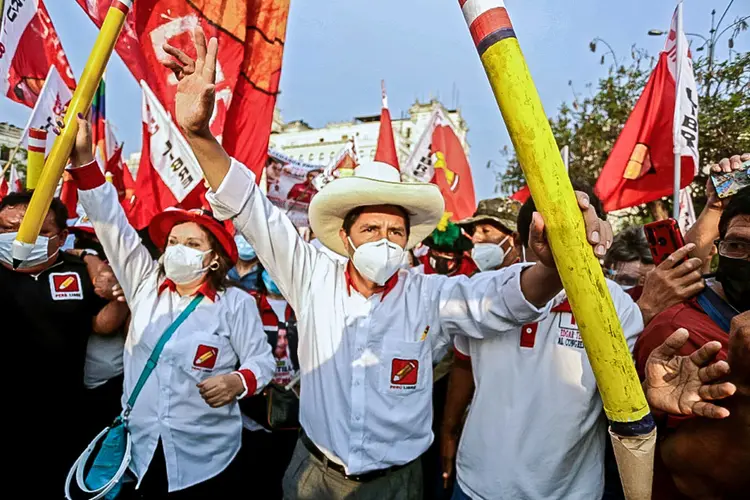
{"x": 170, "y": 155}
{"x": 50, "y": 107}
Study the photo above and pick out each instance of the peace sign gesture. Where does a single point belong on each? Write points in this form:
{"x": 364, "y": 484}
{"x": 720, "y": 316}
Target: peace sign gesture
{"x": 195, "y": 97}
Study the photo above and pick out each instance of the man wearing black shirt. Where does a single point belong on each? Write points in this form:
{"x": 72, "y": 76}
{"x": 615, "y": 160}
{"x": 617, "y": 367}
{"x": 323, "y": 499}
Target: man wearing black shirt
{"x": 48, "y": 309}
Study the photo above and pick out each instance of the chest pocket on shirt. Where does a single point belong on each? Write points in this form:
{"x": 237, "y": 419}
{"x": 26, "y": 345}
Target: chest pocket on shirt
{"x": 204, "y": 354}
{"x": 404, "y": 367}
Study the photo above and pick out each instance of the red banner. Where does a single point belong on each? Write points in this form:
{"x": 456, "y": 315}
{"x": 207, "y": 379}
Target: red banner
{"x": 29, "y": 45}
{"x": 251, "y": 37}
{"x": 640, "y": 167}
{"x": 452, "y": 173}
{"x": 250, "y": 116}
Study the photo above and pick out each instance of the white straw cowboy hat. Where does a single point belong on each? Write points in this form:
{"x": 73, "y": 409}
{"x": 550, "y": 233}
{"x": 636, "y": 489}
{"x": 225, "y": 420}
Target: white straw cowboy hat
{"x": 374, "y": 183}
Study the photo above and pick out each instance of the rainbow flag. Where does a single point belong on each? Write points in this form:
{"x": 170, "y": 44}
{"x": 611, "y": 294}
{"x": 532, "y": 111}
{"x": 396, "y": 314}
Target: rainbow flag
{"x": 99, "y": 122}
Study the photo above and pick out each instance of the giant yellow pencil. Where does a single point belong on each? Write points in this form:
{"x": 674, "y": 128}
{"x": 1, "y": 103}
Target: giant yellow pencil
{"x": 58, "y": 157}
{"x": 581, "y": 274}
{"x": 37, "y": 147}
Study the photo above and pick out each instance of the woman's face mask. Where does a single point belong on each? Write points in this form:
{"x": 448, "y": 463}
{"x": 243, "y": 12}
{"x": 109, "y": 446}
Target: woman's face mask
{"x": 184, "y": 265}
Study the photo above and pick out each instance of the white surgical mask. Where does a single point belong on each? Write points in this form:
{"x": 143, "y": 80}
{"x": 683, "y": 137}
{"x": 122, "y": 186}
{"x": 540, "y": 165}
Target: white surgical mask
{"x": 378, "y": 260}
{"x": 39, "y": 254}
{"x": 488, "y": 256}
{"x": 184, "y": 264}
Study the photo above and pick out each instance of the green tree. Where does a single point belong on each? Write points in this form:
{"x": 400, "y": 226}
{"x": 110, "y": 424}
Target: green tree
{"x": 19, "y": 161}
{"x": 591, "y": 123}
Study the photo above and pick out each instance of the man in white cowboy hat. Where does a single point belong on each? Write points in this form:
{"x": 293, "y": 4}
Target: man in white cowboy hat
{"x": 367, "y": 326}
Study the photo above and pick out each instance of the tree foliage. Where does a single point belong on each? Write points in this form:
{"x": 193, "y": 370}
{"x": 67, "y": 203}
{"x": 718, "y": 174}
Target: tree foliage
{"x": 591, "y": 123}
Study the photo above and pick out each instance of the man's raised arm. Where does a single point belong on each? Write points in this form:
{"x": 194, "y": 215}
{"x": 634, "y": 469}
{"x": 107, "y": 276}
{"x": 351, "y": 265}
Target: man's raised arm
{"x": 286, "y": 256}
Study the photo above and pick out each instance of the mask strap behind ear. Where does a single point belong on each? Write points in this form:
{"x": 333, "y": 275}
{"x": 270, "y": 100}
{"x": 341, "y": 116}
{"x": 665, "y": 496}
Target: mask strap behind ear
{"x": 523, "y": 253}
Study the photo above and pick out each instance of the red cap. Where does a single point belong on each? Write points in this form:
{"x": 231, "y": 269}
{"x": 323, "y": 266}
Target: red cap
{"x": 162, "y": 224}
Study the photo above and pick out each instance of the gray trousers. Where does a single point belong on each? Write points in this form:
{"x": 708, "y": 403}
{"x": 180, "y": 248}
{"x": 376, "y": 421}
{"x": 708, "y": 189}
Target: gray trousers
{"x": 307, "y": 478}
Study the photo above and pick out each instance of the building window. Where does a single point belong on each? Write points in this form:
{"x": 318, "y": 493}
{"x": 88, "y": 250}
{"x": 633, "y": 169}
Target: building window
{"x": 344, "y": 137}
{"x": 301, "y": 157}
{"x": 311, "y": 157}
{"x": 322, "y": 140}
{"x": 372, "y": 154}
{"x": 408, "y": 133}
{"x": 321, "y": 156}
{"x": 332, "y": 154}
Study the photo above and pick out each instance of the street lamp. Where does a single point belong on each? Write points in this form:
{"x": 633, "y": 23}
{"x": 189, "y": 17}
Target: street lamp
{"x": 714, "y": 37}
{"x": 592, "y": 47}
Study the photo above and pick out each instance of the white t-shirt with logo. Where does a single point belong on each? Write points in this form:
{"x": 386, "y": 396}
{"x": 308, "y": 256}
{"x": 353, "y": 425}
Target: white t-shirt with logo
{"x": 536, "y": 429}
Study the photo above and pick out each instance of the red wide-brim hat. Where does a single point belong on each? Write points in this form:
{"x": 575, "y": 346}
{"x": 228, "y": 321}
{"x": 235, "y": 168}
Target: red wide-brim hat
{"x": 162, "y": 224}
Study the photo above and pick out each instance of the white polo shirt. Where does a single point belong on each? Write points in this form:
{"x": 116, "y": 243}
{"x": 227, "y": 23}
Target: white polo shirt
{"x": 536, "y": 429}
{"x": 366, "y": 363}
{"x": 223, "y": 333}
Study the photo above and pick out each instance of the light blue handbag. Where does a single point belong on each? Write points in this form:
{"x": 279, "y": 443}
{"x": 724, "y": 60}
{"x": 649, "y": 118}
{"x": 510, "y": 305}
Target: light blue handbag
{"x": 105, "y": 476}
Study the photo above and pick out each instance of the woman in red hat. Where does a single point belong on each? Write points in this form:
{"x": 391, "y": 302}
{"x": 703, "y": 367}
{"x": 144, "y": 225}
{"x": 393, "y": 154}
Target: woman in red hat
{"x": 185, "y": 422}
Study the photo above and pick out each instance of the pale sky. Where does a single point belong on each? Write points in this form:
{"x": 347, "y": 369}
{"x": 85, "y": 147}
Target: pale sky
{"x": 337, "y": 51}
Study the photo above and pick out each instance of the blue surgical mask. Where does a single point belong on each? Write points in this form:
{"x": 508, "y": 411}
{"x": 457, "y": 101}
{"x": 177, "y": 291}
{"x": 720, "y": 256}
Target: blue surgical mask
{"x": 244, "y": 249}
{"x": 269, "y": 284}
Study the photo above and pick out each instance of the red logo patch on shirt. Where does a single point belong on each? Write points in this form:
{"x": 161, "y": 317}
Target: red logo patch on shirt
{"x": 205, "y": 357}
{"x": 404, "y": 371}
{"x": 65, "y": 286}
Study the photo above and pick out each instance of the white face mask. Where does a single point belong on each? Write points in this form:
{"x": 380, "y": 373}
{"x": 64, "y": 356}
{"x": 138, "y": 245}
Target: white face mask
{"x": 39, "y": 254}
{"x": 183, "y": 264}
{"x": 378, "y": 260}
{"x": 488, "y": 256}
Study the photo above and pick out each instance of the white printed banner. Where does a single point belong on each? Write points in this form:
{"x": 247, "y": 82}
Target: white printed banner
{"x": 290, "y": 185}
{"x": 171, "y": 157}
{"x": 50, "y": 107}
{"x": 685, "y": 127}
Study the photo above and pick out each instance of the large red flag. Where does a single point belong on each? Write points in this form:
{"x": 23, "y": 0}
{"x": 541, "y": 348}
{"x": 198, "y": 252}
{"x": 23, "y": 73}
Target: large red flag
{"x": 251, "y": 37}
{"x": 152, "y": 23}
{"x": 640, "y": 167}
{"x": 29, "y": 45}
{"x": 249, "y": 118}
{"x": 439, "y": 158}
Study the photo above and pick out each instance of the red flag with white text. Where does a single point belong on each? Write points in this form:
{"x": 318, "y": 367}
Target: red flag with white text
{"x": 640, "y": 167}
{"x": 29, "y": 45}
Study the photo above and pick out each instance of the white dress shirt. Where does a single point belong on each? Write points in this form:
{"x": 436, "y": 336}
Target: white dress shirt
{"x": 223, "y": 332}
{"x": 366, "y": 363}
{"x": 535, "y": 428}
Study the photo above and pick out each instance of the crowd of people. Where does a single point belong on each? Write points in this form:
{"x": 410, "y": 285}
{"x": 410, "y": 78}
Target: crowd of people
{"x": 412, "y": 357}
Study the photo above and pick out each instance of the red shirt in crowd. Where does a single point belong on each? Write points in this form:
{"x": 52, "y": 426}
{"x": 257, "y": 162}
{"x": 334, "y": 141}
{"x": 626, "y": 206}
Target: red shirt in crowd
{"x": 702, "y": 329}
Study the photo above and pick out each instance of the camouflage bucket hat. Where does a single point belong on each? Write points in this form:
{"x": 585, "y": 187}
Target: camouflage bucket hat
{"x": 503, "y": 211}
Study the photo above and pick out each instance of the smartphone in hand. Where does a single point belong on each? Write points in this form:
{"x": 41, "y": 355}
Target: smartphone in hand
{"x": 664, "y": 238}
